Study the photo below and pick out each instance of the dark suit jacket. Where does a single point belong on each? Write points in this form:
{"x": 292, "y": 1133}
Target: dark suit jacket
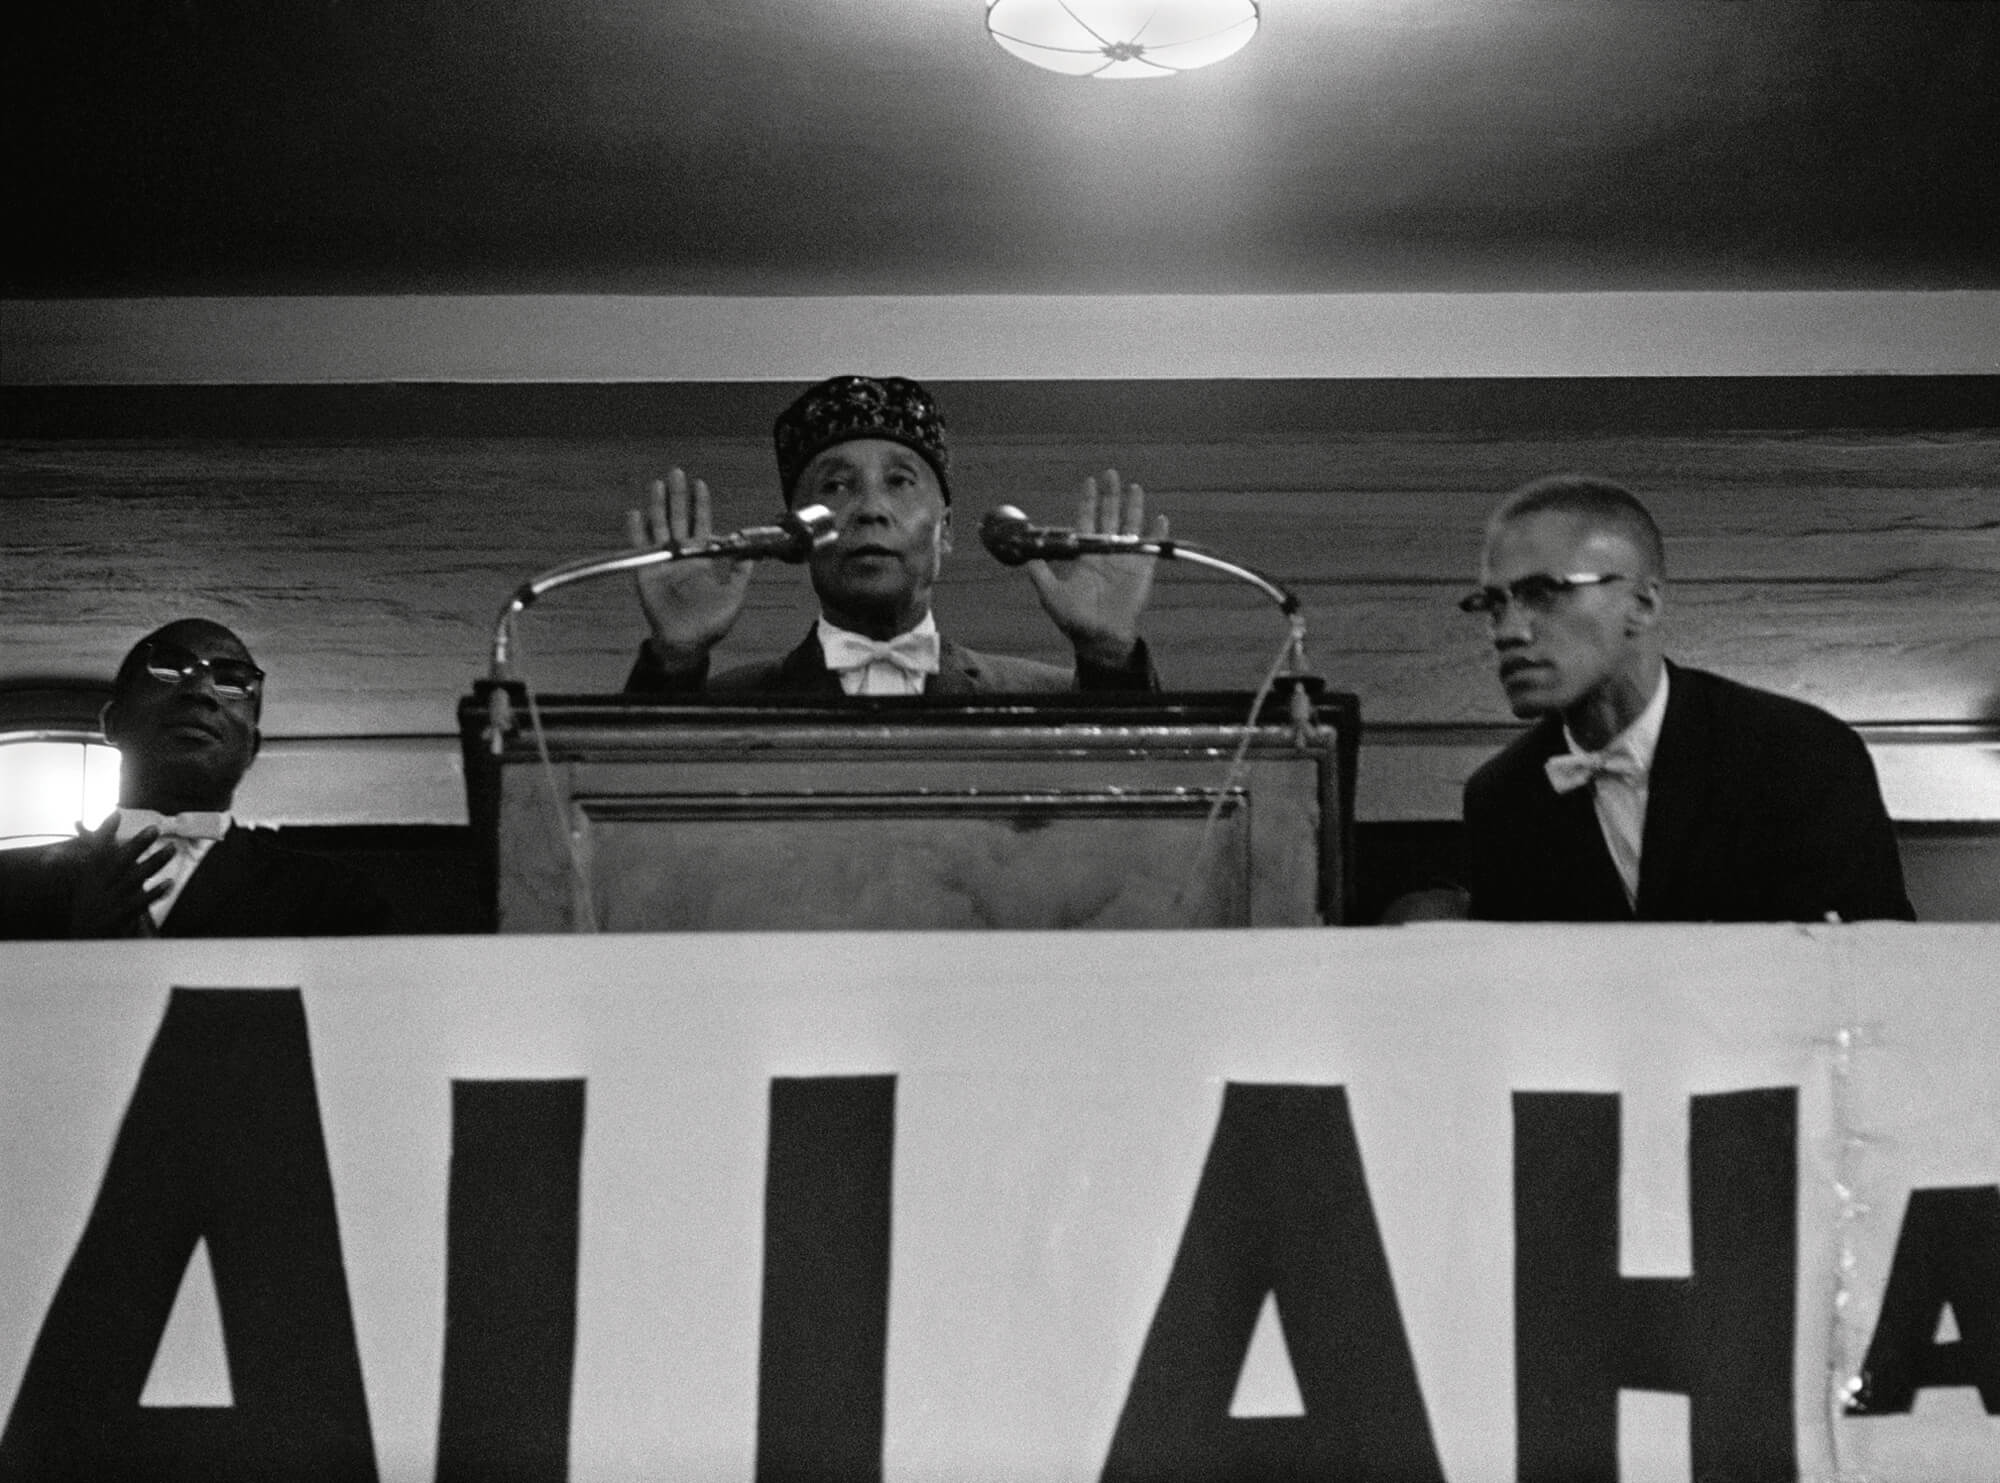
{"x": 247, "y": 885}
{"x": 961, "y": 671}
{"x": 1759, "y": 809}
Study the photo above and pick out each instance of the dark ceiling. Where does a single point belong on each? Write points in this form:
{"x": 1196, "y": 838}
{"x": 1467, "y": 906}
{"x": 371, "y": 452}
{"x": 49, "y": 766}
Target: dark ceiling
{"x": 887, "y": 146}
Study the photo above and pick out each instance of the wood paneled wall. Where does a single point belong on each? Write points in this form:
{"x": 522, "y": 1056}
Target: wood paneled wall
{"x": 1860, "y": 571}
{"x": 1837, "y": 539}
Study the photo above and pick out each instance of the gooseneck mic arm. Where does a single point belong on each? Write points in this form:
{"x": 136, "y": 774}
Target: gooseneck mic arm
{"x": 795, "y": 537}
{"x": 1012, "y": 540}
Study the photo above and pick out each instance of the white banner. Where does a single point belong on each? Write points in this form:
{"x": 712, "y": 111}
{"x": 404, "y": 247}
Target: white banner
{"x": 1450, "y": 1202}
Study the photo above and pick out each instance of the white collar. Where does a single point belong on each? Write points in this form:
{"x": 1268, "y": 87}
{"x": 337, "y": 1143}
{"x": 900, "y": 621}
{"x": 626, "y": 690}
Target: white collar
{"x": 1639, "y": 740}
{"x": 195, "y": 824}
{"x": 926, "y": 629}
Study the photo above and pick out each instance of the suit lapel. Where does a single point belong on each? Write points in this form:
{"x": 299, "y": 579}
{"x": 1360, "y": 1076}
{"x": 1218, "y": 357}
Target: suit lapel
{"x": 1683, "y": 773}
{"x": 222, "y": 889}
{"x": 958, "y": 672}
{"x": 804, "y": 671}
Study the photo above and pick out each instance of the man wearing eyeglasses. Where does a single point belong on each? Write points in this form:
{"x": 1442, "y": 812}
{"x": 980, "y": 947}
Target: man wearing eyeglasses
{"x": 1645, "y": 790}
{"x": 170, "y": 861}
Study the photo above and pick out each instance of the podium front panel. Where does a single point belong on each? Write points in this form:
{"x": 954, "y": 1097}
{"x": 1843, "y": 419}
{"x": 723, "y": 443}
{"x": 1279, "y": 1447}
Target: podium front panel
{"x": 1025, "y": 817}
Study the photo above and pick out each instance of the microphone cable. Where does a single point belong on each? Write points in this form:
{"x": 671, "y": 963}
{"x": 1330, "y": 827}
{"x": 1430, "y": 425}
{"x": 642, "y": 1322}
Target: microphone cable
{"x": 1232, "y": 776}
{"x": 1006, "y": 533}
{"x": 579, "y": 879}
{"x": 803, "y": 530}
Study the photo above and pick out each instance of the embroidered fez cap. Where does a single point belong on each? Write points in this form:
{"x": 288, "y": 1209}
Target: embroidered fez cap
{"x": 844, "y": 408}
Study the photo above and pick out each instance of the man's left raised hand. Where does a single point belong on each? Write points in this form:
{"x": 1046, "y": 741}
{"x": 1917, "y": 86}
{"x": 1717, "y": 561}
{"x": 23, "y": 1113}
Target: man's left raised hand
{"x": 1096, "y": 600}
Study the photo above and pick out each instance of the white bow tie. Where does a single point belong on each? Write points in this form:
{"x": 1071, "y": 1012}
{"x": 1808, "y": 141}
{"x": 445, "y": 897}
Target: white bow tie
{"x": 188, "y": 826}
{"x": 914, "y": 652}
{"x": 1569, "y": 771}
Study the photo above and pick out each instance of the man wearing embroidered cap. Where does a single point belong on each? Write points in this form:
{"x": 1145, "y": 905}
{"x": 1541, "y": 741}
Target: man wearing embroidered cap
{"x": 170, "y": 861}
{"x": 1646, "y": 790}
{"x": 874, "y": 451}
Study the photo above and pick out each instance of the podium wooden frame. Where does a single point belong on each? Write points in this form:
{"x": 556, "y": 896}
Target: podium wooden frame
{"x": 623, "y": 813}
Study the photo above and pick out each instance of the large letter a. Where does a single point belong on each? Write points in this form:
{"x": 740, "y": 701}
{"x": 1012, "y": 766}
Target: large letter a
{"x": 222, "y": 1142}
{"x": 1282, "y": 1208}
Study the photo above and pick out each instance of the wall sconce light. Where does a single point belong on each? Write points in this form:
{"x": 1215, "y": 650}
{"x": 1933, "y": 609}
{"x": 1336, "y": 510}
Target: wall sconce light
{"x": 1122, "y": 39}
{"x": 55, "y": 769}
{"x": 51, "y": 781}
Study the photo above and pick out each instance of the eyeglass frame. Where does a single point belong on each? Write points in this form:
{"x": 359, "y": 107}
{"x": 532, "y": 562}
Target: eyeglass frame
{"x": 193, "y": 664}
{"x": 1492, "y": 602}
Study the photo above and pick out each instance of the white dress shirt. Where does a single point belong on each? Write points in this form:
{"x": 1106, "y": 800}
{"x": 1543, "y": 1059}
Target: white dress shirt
{"x": 188, "y": 851}
{"x": 866, "y": 666}
{"x": 1620, "y": 799}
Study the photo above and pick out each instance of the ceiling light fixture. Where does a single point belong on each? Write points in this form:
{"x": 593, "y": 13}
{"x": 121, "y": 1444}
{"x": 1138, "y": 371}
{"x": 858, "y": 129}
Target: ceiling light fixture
{"x": 1122, "y": 39}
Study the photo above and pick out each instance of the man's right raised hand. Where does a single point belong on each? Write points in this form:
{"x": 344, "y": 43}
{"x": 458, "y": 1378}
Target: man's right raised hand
{"x": 690, "y": 605}
{"x": 114, "y": 886}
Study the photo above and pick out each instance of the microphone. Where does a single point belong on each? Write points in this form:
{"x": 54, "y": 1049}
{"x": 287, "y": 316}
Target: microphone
{"x": 796, "y": 536}
{"x": 792, "y": 539}
{"x": 1008, "y": 535}
{"x": 1013, "y": 540}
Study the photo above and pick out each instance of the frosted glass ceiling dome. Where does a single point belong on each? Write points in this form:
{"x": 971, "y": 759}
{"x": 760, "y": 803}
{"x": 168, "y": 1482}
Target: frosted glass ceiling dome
{"x": 1122, "y": 39}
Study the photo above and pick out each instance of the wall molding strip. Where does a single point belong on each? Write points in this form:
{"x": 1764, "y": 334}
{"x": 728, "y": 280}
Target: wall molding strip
{"x": 606, "y": 338}
{"x": 1935, "y": 773}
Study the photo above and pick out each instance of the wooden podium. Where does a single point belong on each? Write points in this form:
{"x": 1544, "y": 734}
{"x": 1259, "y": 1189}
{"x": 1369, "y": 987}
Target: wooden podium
{"x": 627, "y": 814}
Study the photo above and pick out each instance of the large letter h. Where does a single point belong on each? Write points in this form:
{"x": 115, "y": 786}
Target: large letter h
{"x": 1722, "y": 1336}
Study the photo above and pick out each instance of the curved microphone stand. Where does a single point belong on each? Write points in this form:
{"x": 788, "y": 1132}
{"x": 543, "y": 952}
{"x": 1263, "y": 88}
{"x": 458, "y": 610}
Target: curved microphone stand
{"x": 1293, "y": 666}
{"x": 795, "y": 537}
{"x": 1012, "y": 540}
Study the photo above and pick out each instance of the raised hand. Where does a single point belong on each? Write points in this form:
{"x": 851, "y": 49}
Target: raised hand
{"x": 690, "y": 605}
{"x": 109, "y": 894}
{"x": 1096, "y": 600}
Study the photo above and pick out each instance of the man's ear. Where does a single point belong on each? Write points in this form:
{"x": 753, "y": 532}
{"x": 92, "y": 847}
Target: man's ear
{"x": 107, "y": 721}
{"x": 256, "y": 745}
{"x": 1649, "y": 605}
{"x": 944, "y": 532}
